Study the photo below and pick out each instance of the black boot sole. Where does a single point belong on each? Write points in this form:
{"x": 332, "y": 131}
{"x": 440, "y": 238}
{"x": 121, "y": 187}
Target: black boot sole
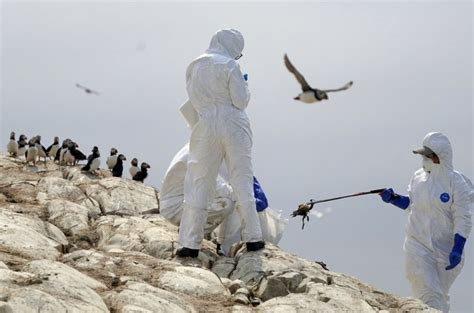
{"x": 187, "y": 253}
{"x": 255, "y": 246}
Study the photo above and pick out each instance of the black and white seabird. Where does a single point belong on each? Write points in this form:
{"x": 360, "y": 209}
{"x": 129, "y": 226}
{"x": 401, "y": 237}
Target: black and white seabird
{"x": 117, "y": 170}
{"x": 112, "y": 159}
{"x": 32, "y": 153}
{"x": 53, "y": 149}
{"x": 41, "y": 149}
{"x": 12, "y": 146}
{"x": 73, "y": 155}
{"x": 143, "y": 173}
{"x": 87, "y": 90}
{"x": 134, "y": 168}
{"x": 310, "y": 95}
{"x": 93, "y": 161}
{"x": 22, "y": 145}
{"x": 62, "y": 151}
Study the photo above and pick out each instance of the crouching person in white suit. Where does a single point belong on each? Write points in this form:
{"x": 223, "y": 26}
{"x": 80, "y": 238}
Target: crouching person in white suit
{"x": 220, "y": 210}
{"x": 271, "y": 222}
{"x": 172, "y": 195}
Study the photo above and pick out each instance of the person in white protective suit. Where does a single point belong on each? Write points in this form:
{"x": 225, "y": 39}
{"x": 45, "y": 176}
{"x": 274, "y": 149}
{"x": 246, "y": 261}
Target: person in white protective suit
{"x": 219, "y": 94}
{"x": 439, "y": 202}
{"x": 221, "y": 214}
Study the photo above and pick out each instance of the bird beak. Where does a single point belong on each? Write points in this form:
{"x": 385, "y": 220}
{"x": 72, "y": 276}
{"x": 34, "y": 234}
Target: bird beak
{"x": 296, "y": 98}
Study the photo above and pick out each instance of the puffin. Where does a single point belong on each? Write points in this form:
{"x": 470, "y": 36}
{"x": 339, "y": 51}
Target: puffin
{"x": 309, "y": 94}
{"x": 41, "y": 149}
{"x": 61, "y": 151}
{"x": 22, "y": 145}
{"x": 53, "y": 148}
{"x": 93, "y": 161}
{"x": 32, "y": 152}
{"x": 112, "y": 159}
{"x": 134, "y": 168}
{"x": 12, "y": 146}
{"x": 143, "y": 173}
{"x": 73, "y": 155}
{"x": 117, "y": 170}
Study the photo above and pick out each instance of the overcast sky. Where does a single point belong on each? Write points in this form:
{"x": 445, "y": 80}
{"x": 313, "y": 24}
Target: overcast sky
{"x": 411, "y": 64}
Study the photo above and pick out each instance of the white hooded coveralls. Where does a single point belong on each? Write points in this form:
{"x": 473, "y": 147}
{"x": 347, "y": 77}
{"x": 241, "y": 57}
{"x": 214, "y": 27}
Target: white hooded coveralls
{"x": 172, "y": 195}
{"x": 219, "y": 94}
{"x": 440, "y": 207}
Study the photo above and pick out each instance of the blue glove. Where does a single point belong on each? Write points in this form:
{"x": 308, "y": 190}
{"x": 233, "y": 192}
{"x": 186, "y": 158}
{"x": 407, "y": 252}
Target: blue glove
{"x": 260, "y": 198}
{"x": 246, "y": 77}
{"x": 389, "y": 196}
{"x": 455, "y": 256}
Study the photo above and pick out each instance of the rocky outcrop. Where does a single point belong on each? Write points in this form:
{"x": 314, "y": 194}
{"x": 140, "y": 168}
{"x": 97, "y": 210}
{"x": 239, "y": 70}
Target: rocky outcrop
{"x": 28, "y": 237}
{"x": 75, "y": 242}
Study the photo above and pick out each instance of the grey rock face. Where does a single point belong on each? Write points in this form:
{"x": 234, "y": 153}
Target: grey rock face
{"x": 29, "y": 237}
{"x": 193, "y": 280}
{"x": 121, "y": 196}
{"x": 75, "y": 242}
{"x": 271, "y": 288}
{"x": 52, "y": 287}
{"x": 157, "y": 237}
{"x": 70, "y": 217}
{"x": 59, "y": 188}
{"x": 141, "y": 297}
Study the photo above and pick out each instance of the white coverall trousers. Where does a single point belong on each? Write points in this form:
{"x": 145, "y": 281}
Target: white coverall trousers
{"x": 430, "y": 281}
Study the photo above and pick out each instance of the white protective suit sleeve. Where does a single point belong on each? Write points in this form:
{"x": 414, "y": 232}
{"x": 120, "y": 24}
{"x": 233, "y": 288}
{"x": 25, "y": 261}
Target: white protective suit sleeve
{"x": 471, "y": 186}
{"x": 462, "y": 206}
{"x": 238, "y": 88}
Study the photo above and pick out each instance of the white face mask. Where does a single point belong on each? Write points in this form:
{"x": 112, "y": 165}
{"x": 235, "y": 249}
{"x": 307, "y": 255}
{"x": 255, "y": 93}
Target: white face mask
{"x": 428, "y": 164}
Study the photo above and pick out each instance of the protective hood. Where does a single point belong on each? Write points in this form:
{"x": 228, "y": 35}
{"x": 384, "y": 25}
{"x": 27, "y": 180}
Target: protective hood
{"x": 439, "y": 143}
{"x": 227, "y": 42}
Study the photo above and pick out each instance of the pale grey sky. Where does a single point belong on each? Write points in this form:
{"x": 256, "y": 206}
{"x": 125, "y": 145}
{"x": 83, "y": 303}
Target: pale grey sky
{"x": 411, "y": 64}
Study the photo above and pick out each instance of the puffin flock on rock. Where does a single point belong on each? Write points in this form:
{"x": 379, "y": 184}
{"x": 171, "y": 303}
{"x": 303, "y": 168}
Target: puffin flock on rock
{"x": 68, "y": 154}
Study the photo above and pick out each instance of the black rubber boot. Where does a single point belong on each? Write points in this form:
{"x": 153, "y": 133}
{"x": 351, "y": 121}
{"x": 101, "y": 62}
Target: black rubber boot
{"x": 186, "y": 252}
{"x": 255, "y": 246}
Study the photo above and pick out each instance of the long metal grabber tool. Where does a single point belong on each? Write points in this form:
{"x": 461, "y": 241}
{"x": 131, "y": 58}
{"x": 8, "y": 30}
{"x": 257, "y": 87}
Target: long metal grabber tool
{"x": 304, "y": 208}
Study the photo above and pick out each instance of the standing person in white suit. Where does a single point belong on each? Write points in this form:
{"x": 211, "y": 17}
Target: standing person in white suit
{"x": 219, "y": 94}
{"x": 439, "y": 202}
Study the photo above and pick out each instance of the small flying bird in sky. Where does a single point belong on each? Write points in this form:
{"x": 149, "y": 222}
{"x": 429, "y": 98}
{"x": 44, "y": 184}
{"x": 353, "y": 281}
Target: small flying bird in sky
{"x": 309, "y": 94}
{"x": 87, "y": 90}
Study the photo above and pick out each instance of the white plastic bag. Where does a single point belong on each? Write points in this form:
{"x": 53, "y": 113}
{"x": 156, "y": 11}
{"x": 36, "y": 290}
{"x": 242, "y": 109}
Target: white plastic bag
{"x": 189, "y": 113}
{"x": 272, "y": 224}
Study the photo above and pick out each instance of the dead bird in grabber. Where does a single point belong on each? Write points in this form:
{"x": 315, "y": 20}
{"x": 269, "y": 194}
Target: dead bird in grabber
{"x": 304, "y": 208}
